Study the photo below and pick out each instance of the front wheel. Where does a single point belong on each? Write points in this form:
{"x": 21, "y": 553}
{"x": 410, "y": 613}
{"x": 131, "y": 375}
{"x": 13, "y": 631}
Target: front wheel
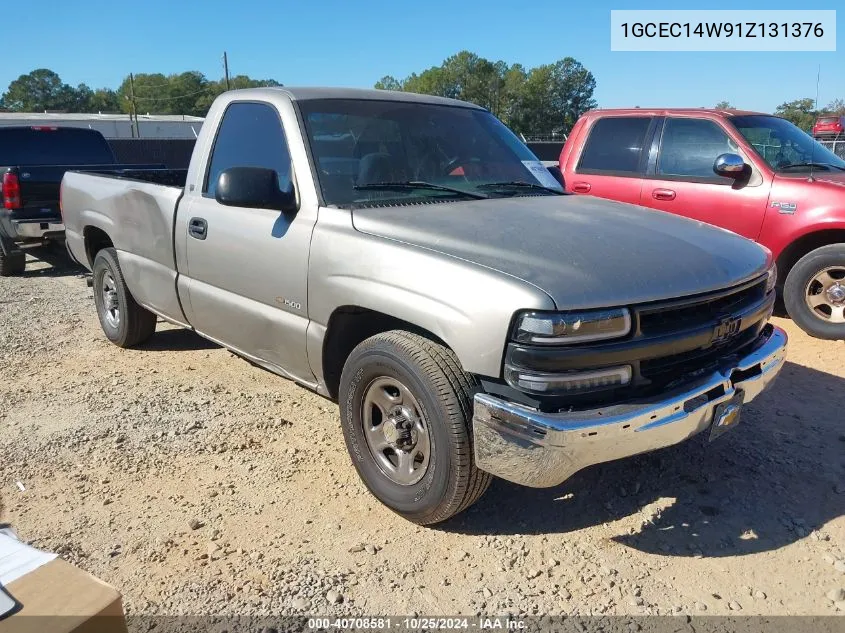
{"x": 814, "y": 292}
{"x": 406, "y": 409}
{"x": 124, "y": 322}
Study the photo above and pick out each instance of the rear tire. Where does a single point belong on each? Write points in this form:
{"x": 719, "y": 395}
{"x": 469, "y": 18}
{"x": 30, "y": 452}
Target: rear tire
{"x": 812, "y": 291}
{"x": 124, "y": 322}
{"x": 399, "y": 380}
{"x": 12, "y": 264}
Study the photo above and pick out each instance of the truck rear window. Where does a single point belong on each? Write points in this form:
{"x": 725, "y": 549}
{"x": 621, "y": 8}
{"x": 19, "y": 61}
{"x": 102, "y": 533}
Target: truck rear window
{"x": 53, "y": 146}
{"x": 615, "y": 145}
{"x": 828, "y": 119}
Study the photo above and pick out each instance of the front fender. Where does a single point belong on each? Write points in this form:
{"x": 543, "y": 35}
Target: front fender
{"x": 467, "y": 306}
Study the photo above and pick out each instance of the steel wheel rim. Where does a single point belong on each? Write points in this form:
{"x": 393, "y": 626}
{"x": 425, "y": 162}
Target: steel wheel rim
{"x": 825, "y": 294}
{"x": 111, "y": 305}
{"x": 396, "y": 431}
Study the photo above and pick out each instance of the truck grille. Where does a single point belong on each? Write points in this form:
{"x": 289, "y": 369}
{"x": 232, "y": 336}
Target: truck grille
{"x": 663, "y": 370}
{"x": 667, "y": 318}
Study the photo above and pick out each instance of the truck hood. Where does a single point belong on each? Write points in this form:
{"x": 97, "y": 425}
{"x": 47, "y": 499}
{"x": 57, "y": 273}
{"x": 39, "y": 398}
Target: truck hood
{"x": 583, "y": 252}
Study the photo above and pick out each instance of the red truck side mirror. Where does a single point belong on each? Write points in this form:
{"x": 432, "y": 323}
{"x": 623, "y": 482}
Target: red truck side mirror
{"x": 730, "y": 166}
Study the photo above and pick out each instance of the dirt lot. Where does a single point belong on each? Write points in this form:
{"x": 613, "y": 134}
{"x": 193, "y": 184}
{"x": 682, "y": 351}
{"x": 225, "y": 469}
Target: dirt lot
{"x": 194, "y": 482}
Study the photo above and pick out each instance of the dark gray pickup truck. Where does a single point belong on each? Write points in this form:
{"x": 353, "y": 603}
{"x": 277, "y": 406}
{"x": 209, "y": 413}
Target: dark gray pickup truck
{"x": 409, "y": 258}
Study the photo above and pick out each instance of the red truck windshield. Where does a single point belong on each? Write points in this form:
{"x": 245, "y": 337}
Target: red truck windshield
{"x": 53, "y": 146}
{"x": 784, "y": 146}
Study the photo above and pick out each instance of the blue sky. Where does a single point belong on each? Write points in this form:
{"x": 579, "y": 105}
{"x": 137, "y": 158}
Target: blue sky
{"x": 355, "y": 42}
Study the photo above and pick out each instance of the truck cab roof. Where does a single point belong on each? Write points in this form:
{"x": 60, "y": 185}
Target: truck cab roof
{"x": 313, "y": 93}
{"x": 670, "y": 111}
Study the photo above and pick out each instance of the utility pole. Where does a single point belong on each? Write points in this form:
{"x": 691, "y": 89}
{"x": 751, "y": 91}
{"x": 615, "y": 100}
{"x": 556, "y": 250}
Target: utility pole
{"x": 226, "y": 68}
{"x": 134, "y": 109}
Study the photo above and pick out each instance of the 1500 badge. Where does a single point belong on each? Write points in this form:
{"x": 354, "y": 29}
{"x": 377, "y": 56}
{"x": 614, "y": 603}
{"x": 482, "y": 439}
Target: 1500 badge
{"x": 295, "y": 305}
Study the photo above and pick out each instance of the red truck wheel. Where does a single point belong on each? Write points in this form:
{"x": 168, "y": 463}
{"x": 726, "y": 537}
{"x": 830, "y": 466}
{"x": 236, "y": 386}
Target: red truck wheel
{"x": 814, "y": 292}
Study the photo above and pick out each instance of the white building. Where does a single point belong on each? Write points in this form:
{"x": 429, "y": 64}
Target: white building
{"x": 113, "y": 125}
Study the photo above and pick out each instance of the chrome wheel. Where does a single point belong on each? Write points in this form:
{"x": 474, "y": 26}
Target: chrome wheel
{"x": 825, "y": 294}
{"x": 396, "y": 432}
{"x": 111, "y": 305}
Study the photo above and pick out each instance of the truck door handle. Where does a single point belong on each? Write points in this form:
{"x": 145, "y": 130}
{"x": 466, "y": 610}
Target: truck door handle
{"x": 581, "y": 187}
{"x": 663, "y": 194}
{"x": 198, "y": 228}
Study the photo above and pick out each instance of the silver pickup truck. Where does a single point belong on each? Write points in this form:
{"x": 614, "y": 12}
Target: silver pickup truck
{"x": 409, "y": 258}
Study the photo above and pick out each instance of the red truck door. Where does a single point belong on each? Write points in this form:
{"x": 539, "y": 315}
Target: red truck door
{"x": 612, "y": 161}
{"x": 680, "y": 178}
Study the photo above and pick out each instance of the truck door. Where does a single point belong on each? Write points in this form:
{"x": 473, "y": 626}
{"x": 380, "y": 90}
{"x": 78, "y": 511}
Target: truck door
{"x": 612, "y": 161}
{"x": 247, "y": 268}
{"x": 681, "y": 179}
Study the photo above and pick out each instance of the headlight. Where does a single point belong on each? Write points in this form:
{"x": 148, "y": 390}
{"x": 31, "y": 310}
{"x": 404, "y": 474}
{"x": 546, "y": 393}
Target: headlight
{"x": 567, "y": 383}
{"x": 556, "y": 328}
{"x": 772, "y": 279}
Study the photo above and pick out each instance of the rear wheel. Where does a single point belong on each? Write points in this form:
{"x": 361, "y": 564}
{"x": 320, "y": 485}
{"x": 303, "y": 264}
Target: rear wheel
{"x": 406, "y": 409}
{"x": 12, "y": 259}
{"x": 124, "y": 322}
{"x": 13, "y": 263}
{"x": 814, "y": 292}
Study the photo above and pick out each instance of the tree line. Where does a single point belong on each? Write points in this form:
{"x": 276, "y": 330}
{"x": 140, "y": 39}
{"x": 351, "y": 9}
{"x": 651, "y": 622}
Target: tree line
{"x": 189, "y": 93}
{"x": 544, "y": 100}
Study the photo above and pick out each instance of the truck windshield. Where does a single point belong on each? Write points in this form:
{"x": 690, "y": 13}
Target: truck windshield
{"x": 53, "y": 146}
{"x": 784, "y": 146}
{"x": 425, "y": 151}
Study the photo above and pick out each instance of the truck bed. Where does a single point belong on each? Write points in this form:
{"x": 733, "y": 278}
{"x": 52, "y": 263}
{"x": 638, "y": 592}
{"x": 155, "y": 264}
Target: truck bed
{"x": 145, "y": 211}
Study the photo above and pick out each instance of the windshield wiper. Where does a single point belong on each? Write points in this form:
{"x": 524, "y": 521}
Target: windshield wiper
{"x": 513, "y": 184}
{"x": 417, "y": 184}
{"x": 826, "y": 165}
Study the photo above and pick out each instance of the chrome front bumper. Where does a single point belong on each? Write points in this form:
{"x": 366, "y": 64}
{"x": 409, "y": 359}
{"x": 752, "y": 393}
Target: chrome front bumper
{"x": 539, "y": 449}
{"x": 35, "y": 229}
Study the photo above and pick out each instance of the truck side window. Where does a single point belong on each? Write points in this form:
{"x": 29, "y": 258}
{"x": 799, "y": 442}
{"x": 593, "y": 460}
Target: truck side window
{"x": 615, "y": 146}
{"x": 250, "y": 135}
{"x": 690, "y": 146}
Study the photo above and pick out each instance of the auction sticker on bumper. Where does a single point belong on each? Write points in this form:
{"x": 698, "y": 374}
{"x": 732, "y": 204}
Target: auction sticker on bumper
{"x": 726, "y": 415}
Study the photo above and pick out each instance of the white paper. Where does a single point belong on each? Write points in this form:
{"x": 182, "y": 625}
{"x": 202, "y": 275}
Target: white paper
{"x": 541, "y": 173}
{"x": 6, "y": 603}
{"x": 18, "y": 559}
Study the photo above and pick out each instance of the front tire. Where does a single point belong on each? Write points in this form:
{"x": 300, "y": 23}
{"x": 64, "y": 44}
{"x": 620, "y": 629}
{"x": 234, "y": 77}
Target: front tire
{"x": 406, "y": 409}
{"x": 124, "y": 322}
{"x": 814, "y": 292}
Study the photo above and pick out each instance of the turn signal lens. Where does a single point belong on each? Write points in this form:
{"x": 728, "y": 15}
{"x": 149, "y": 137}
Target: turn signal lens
{"x": 567, "y": 383}
{"x": 772, "y": 278}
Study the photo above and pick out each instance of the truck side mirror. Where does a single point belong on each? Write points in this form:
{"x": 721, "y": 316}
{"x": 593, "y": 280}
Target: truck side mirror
{"x": 730, "y": 166}
{"x": 254, "y": 188}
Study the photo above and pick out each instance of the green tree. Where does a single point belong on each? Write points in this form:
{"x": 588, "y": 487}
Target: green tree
{"x": 388, "y": 83}
{"x": 42, "y": 89}
{"x": 801, "y": 112}
{"x": 724, "y": 105}
{"x": 837, "y": 106}
{"x": 544, "y": 100}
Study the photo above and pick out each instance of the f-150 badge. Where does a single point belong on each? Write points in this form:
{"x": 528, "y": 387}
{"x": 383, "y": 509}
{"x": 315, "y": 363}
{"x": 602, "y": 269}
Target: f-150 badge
{"x": 787, "y": 208}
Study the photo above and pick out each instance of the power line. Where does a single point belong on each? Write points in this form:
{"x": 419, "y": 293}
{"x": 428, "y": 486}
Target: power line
{"x": 187, "y": 94}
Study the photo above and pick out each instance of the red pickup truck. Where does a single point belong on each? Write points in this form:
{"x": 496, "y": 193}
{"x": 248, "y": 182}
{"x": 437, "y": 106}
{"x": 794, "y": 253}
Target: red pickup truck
{"x": 754, "y": 174}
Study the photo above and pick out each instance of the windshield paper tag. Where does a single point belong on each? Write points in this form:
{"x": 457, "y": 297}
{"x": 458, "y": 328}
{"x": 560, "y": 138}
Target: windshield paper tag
{"x": 539, "y": 171}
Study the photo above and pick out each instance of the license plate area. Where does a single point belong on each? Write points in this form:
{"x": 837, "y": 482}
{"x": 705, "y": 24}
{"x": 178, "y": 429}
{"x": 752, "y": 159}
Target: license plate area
{"x": 726, "y": 415}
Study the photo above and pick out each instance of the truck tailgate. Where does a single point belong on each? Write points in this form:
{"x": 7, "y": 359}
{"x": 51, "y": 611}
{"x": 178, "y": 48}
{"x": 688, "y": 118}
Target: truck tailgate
{"x": 137, "y": 218}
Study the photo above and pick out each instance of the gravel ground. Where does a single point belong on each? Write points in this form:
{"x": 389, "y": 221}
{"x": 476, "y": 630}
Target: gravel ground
{"x": 197, "y": 483}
